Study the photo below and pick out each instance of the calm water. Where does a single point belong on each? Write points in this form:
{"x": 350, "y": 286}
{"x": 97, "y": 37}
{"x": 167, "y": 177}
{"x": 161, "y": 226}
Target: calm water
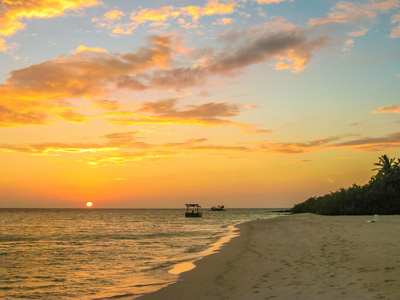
{"x": 95, "y": 253}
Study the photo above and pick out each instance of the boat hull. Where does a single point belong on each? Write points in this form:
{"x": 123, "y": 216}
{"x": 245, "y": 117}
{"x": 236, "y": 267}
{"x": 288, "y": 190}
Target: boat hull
{"x": 193, "y": 215}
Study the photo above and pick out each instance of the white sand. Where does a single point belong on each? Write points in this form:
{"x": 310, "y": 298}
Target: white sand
{"x": 299, "y": 257}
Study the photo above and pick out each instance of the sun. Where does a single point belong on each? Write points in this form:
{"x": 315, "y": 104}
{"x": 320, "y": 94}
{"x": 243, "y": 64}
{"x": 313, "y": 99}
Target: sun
{"x": 89, "y": 204}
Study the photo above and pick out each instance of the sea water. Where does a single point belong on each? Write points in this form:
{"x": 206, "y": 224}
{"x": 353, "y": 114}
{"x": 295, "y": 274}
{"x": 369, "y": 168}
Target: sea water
{"x": 104, "y": 253}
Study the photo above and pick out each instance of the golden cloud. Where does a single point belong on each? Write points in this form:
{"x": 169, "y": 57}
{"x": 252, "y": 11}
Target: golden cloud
{"x": 54, "y": 148}
{"x": 154, "y": 15}
{"x": 114, "y": 15}
{"x": 13, "y": 11}
{"x": 212, "y": 7}
{"x": 387, "y": 109}
{"x": 198, "y": 145}
{"x": 268, "y": 1}
{"x": 106, "y": 104}
{"x": 82, "y": 48}
{"x": 5, "y": 47}
{"x": 160, "y": 16}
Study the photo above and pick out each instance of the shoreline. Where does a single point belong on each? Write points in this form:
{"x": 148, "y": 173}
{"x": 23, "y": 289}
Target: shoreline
{"x": 302, "y": 256}
{"x": 189, "y": 265}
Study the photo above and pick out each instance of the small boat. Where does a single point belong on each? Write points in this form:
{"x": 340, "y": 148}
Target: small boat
{"x": 193, "y": 210}
{"x": 218, "y": 208}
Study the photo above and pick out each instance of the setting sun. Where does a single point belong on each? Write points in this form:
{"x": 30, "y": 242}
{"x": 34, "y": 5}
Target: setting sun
{"x": 89, "y": 204}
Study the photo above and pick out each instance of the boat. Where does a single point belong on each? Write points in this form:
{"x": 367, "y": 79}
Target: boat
{"x": 193, "y": 211}
{"x": 218, "y": 208}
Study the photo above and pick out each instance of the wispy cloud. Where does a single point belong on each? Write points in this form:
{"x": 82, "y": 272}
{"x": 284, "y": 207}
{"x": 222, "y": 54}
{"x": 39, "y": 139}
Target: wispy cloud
{"x": 122, "y": 147}
{"x": 396, "y": 30}
{"x": 348, "y": 142}
{"x": 369, "y": 144}
{"x": 55, "y": 148}
{"x": 356, "y": 12}
{"x": 296, "y": 147}
{"x": 304, "y": 161}
{"x": 4, "y": 46}
{"x": 106, "y": 104}
{"x": 167, "y": 112}
{"x": 387, "y": 109}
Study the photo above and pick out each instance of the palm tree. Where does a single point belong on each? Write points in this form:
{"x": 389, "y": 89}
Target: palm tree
{"x": 385, "y": 164}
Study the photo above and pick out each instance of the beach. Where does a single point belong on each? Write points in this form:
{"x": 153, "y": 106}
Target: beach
{"x": 303, "y": 256}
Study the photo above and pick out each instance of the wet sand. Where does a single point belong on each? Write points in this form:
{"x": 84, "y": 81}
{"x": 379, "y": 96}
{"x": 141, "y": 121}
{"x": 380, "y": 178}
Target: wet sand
{"x": 302, "y": 256}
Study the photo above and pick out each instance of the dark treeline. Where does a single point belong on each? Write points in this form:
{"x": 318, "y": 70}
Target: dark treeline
{"x": 381, "y": 195}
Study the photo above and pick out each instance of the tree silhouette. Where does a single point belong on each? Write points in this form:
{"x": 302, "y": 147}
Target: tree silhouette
{"x": 385, "y": 164}
{"x": 381, "y": 195}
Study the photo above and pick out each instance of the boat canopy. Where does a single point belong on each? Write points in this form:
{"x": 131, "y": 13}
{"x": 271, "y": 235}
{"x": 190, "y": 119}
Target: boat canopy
{"x": 193, "y": 210}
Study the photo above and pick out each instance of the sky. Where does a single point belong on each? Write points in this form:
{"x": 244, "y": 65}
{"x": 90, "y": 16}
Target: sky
{"x": 154, "y": 104}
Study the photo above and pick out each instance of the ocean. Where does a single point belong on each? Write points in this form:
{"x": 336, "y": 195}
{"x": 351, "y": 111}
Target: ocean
{"x": 105, "y": 253}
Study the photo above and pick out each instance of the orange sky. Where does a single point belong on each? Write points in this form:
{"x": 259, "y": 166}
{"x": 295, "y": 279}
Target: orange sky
{"x": 251, "y": 103}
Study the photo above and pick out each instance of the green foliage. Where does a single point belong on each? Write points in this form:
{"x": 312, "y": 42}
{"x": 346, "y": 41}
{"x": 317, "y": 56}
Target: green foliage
{"x": 381, "y": 195}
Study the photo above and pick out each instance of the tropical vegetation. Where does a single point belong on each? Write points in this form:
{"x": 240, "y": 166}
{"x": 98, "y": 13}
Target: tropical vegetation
{"x": 381, "y": 195}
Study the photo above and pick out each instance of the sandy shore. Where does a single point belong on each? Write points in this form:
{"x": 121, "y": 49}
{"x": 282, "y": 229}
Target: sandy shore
{"x": 299, "y": 257}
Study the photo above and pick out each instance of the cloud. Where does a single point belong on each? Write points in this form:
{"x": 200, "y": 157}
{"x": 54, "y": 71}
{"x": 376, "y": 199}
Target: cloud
{"x": 368, "y": 144}
{"x": 121, "y": 137}
{"x": 268, "y": 1}
{"x": 356, "y": 12}
{"x": 116, "y": 148}
{"x": 126, "y": 140}
{"x": 89, "y": 71}
{"x": 4, "y": 47}
{"x": 348, "y": 45}
{"x": 207, "y": 110}
{"x": 13, "y": 11}
{"x": 12, "y": 117}
{"x": 107, "y": 104}
{"x": 167, "y": 112}
{"x": 303, "y": 161}
{"x": 114, "y": 15}
{"x": 387, "y": 109}
{"x": 39, "y": 93}
{"x": 396, "y": 30}
{"x": 224, "y": 21}
{"x": 154, "y": 15}
{"x": 296, "y": 147}
{"x": 161, "y": 16}
{"x": 290, "y": 47}
{"x": 348, "y": 142}
{"x": 73, "y": 117}
{"x": 357, "y": 33}
{"x": 55, "y": 148}
{"x": 125, "y": 157}
{"x": 82, "y": 48}
{"x": 212, "y": 7}
{"x": 198, "y": 145}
